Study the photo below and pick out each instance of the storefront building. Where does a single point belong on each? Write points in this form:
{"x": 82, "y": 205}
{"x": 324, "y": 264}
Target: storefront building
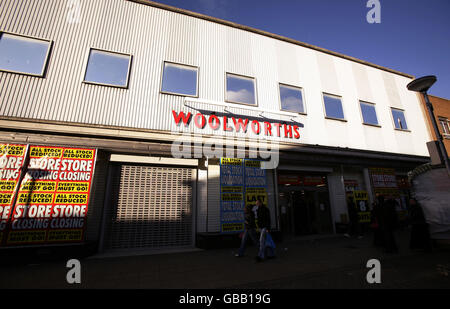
{"x": 184, "y": 119}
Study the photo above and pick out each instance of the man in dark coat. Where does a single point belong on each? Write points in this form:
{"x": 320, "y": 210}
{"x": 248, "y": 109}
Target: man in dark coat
{"x": 249, "y": 230}
{"x": 263, "y": 224}
{"x": 375, "y": 220}
{"x": 388, "y": 223}
{"x": 354, "y": 227}
{"x": 420, "y": 235}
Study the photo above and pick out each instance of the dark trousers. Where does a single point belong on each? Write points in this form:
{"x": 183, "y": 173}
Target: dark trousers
{"x": 390, "y": 244}
{"x": 378, "y": 237}
{"x": 420, "y": 237}
{"x": 248, "y": 233}
{"x": 354, "y": 227}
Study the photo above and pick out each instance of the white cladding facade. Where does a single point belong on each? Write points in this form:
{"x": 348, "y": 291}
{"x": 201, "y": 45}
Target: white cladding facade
{"x": 153, "y": 34}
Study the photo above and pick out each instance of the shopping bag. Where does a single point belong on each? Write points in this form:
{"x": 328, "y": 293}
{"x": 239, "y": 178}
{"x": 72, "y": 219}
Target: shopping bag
{"x": 269, "y": 241}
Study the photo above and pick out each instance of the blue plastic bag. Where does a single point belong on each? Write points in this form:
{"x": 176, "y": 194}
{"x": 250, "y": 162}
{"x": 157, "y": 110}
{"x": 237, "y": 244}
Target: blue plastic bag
{"x": 269, "y": 241}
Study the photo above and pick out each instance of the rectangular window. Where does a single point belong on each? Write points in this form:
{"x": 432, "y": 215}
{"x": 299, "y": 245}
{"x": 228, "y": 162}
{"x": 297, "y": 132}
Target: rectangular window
{"x": 398, "y": 116}
{"x": 291, "y": 99}
{"x": 240, "y": 89}
{"x": 108, "y": 68}
{"x": 333, "y": 107}
{"x": 179, "y": 79}
{"x": 444, "y": 125}
{"x": 369, "y": 113}
{"x": 20, "y": 54}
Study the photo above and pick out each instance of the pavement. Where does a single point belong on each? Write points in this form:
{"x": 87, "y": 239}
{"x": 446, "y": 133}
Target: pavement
{"x": 332, "y": 262}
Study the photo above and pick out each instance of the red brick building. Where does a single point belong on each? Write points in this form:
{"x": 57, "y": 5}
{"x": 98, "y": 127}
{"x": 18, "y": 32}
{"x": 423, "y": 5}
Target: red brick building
{"x": 442, "y": 114}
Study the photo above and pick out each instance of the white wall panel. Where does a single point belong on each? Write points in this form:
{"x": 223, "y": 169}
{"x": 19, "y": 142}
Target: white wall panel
{"x": 337, "y": 196}
{"x": 202, "y": 200}
{"x": 328, "y": 74}
{"x": 361, "y": 82}
{"x": 213, "y": 210}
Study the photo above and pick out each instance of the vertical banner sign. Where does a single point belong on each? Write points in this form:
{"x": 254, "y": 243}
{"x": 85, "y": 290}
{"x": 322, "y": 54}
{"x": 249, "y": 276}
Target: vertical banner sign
{"x": 383, "y": 178}
{"x": 11, "y": 161}
{"x": 52, "y": 202}
{"x": 361, "y": 199}
{"x": 242, "y": 182}
{"x": 384, "y": 182}
{"x": 255, "y": 183}
{"x": 231, "y": 195}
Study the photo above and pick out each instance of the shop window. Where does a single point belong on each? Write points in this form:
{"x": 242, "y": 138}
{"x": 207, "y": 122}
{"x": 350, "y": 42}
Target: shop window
{"x": 25, "y": 55}
{"x": 369, "y": 113}
{"x": 108, "y": 68}
{"x": 333, "y": 107}
{"x": 180, "y": 79}
{"x": 398, "y": 116}
{"x": 291, "y": 99}
{"x": 240, "y": 89}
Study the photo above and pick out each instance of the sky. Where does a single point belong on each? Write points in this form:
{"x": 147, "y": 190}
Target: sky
{"x": 413, "y": 36}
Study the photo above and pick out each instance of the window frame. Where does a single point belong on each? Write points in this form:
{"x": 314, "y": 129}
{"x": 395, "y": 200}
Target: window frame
{"x": 175, "y": 93}
{"x": 240, "y": 103}
{"x": 303, "y": 98}
{"x": 126, "y": 86}
{"x": 446, "y": 121}
{"x": 325, "y": 110}
{"x": 393, "y": 120}
{"x": 362, "y": 116}
{"x": 47, "y": 56}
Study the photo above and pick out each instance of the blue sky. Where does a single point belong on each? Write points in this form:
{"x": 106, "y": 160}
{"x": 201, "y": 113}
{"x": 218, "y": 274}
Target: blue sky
{"x": 413, "y": 36}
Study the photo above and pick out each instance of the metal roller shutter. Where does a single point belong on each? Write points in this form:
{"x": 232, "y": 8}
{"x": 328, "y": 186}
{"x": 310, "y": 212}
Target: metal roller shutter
{"x": 151, "y": 207}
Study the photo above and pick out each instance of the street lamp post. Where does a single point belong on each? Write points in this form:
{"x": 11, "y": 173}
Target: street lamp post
{"x": 422, "y": 85}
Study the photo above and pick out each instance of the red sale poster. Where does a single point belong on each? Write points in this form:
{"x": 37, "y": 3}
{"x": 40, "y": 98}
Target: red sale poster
{"x": 11, "y": 162}
{"x": 52, "y": 201}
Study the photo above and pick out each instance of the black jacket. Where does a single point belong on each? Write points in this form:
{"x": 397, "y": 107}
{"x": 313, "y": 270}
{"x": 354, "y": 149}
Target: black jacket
{"x": 249, "y": 217}
{"x": 263, "y": 217}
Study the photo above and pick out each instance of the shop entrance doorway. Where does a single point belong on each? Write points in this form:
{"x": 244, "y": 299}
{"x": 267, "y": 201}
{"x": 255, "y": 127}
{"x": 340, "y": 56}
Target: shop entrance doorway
{"x": 305, "y": 208}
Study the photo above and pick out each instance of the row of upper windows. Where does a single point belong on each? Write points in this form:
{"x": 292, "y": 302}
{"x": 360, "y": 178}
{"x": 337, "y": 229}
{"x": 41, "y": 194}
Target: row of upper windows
{"x": 20, "y": 54}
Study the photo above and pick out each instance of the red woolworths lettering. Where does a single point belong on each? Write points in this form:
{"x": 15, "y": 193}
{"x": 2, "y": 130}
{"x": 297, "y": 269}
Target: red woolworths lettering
{"x": 240, "y": 124}
{"x": 267, "y": 128}
{"x": 256, "y": 127}
{"x": 225, "y": 124}
{"x": 296, "y": 133}
{"x": 277, "y": 125}
{"x": 202, "y": 124}
{"x": 214, "y": 122}
{"x": 181, "y": 116}
{"x": 211, "y": 123}
{"x": 287, "y": 130}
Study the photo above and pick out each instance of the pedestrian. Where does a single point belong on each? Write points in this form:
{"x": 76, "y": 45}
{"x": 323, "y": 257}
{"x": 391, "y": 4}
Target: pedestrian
{"x": 354, "y": 228}
{"x": 420, "y": 235}
{"x": 388, "y": 224}
{"x": 375, "y": 220}
{"x": 249, "y": 230}
{"x": 263, "y": 224}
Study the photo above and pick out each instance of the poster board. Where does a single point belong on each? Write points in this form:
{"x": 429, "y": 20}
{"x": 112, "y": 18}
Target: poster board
{"x": 52, "y": 200}
{"x": 361, "y": 199}
{"x": 242, "y": 182}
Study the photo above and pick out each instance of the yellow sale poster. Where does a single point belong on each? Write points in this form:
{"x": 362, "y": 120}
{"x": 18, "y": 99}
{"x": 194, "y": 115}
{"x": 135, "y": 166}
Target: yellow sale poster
{"x": 51, "y": 204}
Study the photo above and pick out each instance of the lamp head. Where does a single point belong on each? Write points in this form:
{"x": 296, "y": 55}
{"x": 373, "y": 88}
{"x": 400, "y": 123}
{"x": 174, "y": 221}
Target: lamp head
{"x": 422, "y": 84}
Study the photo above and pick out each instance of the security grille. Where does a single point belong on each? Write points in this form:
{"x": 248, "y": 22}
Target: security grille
{"x": 152, "y": 207}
